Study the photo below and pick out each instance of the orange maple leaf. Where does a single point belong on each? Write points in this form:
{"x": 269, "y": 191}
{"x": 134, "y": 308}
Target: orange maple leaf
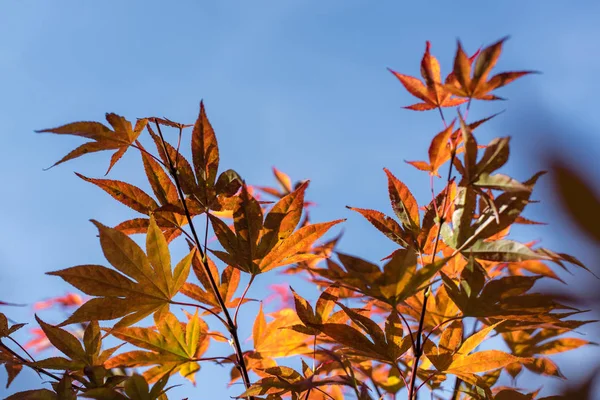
{"x": 474, "y": 84}
{"x": 433, "y": 93}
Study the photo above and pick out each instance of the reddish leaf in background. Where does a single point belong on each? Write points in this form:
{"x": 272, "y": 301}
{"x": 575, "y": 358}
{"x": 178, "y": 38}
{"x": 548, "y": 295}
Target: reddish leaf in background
{"x": 39, "y": 342}
{"x": 68, "y": 300}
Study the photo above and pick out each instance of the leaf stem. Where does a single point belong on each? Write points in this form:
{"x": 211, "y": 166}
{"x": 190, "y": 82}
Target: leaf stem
{"x": 139, "y": 146}
{"x": 409, "y": 331}
{"x": 200, "y": 307}
{"x": 237, "y": 309}
{"x": 229, "y": 321}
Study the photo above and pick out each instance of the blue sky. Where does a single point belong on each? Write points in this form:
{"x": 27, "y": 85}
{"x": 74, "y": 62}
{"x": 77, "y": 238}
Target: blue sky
{"x": 297, "y": 84}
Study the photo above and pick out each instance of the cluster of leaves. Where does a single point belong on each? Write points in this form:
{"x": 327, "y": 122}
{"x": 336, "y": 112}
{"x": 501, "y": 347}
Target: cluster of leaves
{"x": 455, "y": 279}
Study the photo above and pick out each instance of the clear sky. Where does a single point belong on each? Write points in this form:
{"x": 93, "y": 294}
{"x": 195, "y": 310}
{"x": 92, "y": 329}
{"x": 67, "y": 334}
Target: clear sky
{"x": 297, "y": 84}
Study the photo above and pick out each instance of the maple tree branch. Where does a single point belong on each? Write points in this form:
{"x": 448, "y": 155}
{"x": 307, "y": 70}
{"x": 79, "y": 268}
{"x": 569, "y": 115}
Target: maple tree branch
{"x": 21, "y": 347}
{"x": 419, "y": 346}
{"x": 229, "y": 321}
{"x": 27, "y": 363}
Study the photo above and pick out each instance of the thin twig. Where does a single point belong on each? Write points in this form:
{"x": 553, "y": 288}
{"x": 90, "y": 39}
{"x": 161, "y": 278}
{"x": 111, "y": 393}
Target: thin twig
{"x": 27, "y": 363}
{"x": 313, "y": 365}
{"x": 427, "y": 380}
{"x": 21, "y": 347}
{"x": 409, "y": 331}
{"x": 401, "y": 374}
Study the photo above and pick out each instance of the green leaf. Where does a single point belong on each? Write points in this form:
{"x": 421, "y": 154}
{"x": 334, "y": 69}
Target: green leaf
{"x": 503, "y": 251}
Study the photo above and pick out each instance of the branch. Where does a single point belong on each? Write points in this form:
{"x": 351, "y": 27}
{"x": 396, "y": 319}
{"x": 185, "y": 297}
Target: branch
{"x": 229, "y": 321}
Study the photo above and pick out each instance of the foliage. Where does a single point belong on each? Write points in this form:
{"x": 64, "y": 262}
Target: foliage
{"x": 414, "y": 323}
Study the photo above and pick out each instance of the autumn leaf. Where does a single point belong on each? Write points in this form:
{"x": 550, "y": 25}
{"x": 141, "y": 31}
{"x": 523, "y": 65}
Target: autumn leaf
{"x": 444, "y": 144}
{"x": 258, "y": 246}
{"x": 536, "y": 344}
{"x": 281, "y": 380}
{"x": 439, "y": 152}
{"x": 271, "y": 340}
{"x": 78, "y": 355}
{"x": 143, "y": 284}
{"x": 228, "y": 284}
{"x": 399, "y": 280}
{"x": 120, "y": 137}
{"x": 475, "y": 84}
{"x": 204, "y": 190}
{"x": 433, "y": 93}
{"x": 173, "y": 347}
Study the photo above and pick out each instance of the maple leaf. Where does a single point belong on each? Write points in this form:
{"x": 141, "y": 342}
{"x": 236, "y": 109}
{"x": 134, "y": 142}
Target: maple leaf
{"x": 399, "y": 280}
{"x": 61, "y": 390}
{"x": 205, "y": 191}
{"x": 433, "y": 93}
{"x": 142, "y": 285}
{"x": 444, "y": 144}
{"x": 406, "y": 209}
{"x": 258, "y": 246}
{"x": 537, "y": 343}
{"x": 475, "y": 84}
{"x": 453, "y": 354}
{"x": 12, "y": 364}
{"x": 282, "y": 380}
{"x": 285, "y": 186}
{"x": 228, "y": 284}
{"x": 79, "y": 356}
{"x": 506, "y": 298}
{"x": 138, "y": 200}
{"x": 271, "y": 340}
{"x": 135, "y": 387}
{"x": 439, "y": 309}
{"x": 173, "y": 347}
{"x": 120, "y": 137}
